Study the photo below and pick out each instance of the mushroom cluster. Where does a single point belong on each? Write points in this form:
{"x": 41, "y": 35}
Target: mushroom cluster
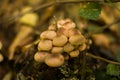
{"x": 59, "y": 43}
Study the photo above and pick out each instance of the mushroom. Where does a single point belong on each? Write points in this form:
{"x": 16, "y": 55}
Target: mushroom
{"x": 40, "y": 56}
{"x": 48, "y": 34}
{"x": 73, "y": 31}
{"x": 57, "y": 50}
{"x": 68, "y": 47}
{"x": 74, "y": 53}
{"x": 54, "y": 60}
{"x": 77, "y": 39}
{"x": 60, "y": 40}
{"x": 82, "y": 47}
{"x": 62, "y": 31}
{"x": 45, "y": 45}
{"x": 66, "y": 23}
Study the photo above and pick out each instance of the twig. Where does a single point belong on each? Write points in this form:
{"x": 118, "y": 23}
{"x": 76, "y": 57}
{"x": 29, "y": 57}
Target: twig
{"x": 83, "y": 66}
{"x": 101, "y": 58}
{"x": 12, "y": 19}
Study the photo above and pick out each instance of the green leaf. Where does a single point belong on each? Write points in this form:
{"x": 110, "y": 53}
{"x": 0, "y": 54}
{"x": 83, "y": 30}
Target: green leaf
{"x": 113, "y": 70}
{"x": 118, "y": 55}
{"x": 100, "y": 75}
{"x": 91, "y": 11}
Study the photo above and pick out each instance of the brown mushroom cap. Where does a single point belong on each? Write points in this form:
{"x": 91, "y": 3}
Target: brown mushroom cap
{"x": 60, "y": 40}
{"x": 62, "y": 31}
{"x": 57, "y": 50}
{"x": 73, "y": 31}
{"x": 66, "y": 23}
{"x": 54, "y": 60}
{"x": 68, "y": 47}
{"x": 77, "y": 39}
{"x": 48, "y": 34}
{"x": 40, "y": 56}
{"x": 45, "y": 45}
{"x": 82, "y": 47}
{"x": 74, "y": 53}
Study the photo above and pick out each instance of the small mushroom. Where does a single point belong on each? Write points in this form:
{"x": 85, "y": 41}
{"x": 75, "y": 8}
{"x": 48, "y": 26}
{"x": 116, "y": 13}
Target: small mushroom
{"x": 45, "y": 45}
{"x": 68, "y": 47}
{"x": 57, "y": 50}
{"x": 73, "y": 31}
{"x": 77, "y": 39}
{"x": 66, "y": 23}
{"x": 82, "y": 47}
{"x": 60, "y": 40}
{"x": 54, "y": 60}
{"x": 62, "y": 31}
{"x": 40, "y": 56}
{"x": 48, "y": 35}
{"x": 74, "y": 53}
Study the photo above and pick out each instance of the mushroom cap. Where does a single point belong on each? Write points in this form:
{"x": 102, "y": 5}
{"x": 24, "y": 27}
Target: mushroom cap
{"x": 74, "y": 53}
{"x": 73, "y": 31}
{"x": 40, "y": 56}
{"x": 68, "y": 47}
{"x": 48, "y": 35}
{"x": 82, "y": 47}
{"x": 54, "y": 60}
{"x": 45, "y": 45}
{"x": 77, "y": 39}
{"x": 57, "y": 50}
{"x": 60, "y": 40}
{"x": 62, "y": 31}
{"x": 66, "y": 23}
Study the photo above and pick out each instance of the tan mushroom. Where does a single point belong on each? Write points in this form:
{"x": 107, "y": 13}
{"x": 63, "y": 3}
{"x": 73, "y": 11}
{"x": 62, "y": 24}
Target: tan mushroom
{"x": 62, "y": 31}
{"x": 77, "y": 39}
{"x": 68, "y": 47}
{"x": 40, "y": 56}
{"x": 82, "y": 47}
{"x": 48, "y": 34}
{"x": 60, "y": 40}
{"x": 54, "y": 60}
{"x": 45, "y": 45}
{"x": 66, "y": 23}
{"x": 73, "y": 31}
{"x": 57, "y": 50}
{"x": 74, "y": 53}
